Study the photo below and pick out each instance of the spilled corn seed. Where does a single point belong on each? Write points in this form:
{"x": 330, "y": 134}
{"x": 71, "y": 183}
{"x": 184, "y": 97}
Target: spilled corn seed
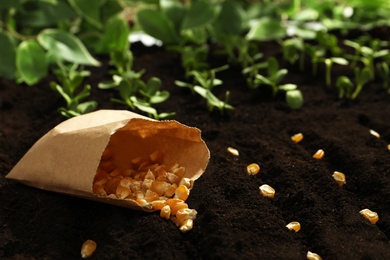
{"x": 233, "y": 151}
{"x": 267, "y": 191}
{"x": 312, "y": 256}
{"x": 297, "y": 137}
{"x": 296, "y": 226}
{"x": 319, "y": 154}
{"x": 253, "y": 169}
{"x": 88, "y": 248}
{"x": 339, "y": 177}
{"x": 149, "y": 183}
{"x": 388, "y": 147}
{"x": 370, "y": 215}
{"x": 374, "y": 133}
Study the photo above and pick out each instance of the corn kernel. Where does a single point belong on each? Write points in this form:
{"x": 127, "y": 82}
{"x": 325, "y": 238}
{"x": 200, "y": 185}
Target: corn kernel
{"x": 160, "y": 187}
{"x": 182, "y": 192}
{"x": 179, "y": 171}
{"x": 187, "y": 225}
{"x": 99, "y": 190}
{"x": 147, "y": 184}
{"x": 149, "y": 175}
{"x": 122, "y": 192}
{"x": 165, "y": 212}
{"x": 374, "y": 133}
{"x": 173, "y": 178}
{"x": 186, "y": 213}
{"x": 88, "y": 248}
{"x": 388, "y": 147}
{"x": 297, "y": 137}
{"x": 253, "y": 169}
{"x": 370, "y": 215}
{"x": 112, "y": 184}
{"x": 267, "y": 191}
{"x": 171, "y": 191}
{"x": 296, "y": 226}
{"x": 312, "y": 256}
{"x": 172, "y": 202}
{"x": 319, "y": 154}
{"x": 143, "y": 203}
{"x": 151, "y": 196}
{"x": 158, "y": 204}
{"x": 339, "y": 178}
{"x": 178, "y": 206}
{"x": 107, "y": 166}
{"x": 186, "y": 182}
{"x": 233, "y": 151}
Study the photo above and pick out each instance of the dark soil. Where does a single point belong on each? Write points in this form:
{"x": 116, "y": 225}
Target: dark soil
{"x": 234, "y": 221}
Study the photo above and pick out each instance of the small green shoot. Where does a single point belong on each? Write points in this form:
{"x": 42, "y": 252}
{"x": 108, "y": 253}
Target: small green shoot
{"x": 204, "y": 82}
{"x": 384, "y": 72}
{"x": 345, "y": 87}
{"x": 274, "y": 75}
{"x": 329, "y": 63}
{"x": 70, "y": 79}
{"x": 133, "y": 91}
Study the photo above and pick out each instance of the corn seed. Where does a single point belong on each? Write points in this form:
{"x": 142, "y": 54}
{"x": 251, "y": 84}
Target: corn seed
{"x": 319, "y": 154}
{"x": 157, "y": 157}
{"x": 186, "y": 182}
{"x": 253, "y": 169}
{"x": 339, "y": 178}
{"x": 178, "y": 206}
{"x": 187, "y": 225}
{"x": 374, "y": 133}
{"x": 296, "y": 226}
{"x": 233, "y": 151}
{"x": 186, "y": 213}
{"x": 267, "y": 191}
{"x": 297, "y": 137}
{"x": 312, "y": 256}
{"x": 151, "y": 196}
{"x": 88, "y": 248}
{"x": 370, "y": 215}
{"x": 122, "y": 192}
{"x": 158, "y": 204}
{"x": 182, "y": 192}
{"x": 388, "y": 147}
{"x": 165, "y": 212}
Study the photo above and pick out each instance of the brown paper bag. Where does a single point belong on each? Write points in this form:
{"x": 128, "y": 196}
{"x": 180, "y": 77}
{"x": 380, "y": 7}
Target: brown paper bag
{"x": 65, "y": 160}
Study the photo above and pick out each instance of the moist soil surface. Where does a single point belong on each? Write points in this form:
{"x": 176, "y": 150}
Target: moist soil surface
{"x": 234, "y": 220}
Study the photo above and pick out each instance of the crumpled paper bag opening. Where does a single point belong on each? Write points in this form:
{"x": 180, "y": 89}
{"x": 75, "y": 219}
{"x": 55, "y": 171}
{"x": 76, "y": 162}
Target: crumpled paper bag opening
{"x": 66, "y": 159}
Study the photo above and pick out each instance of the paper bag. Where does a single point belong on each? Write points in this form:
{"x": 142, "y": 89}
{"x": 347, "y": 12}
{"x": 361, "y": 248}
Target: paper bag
{"x": 66, "y": 159}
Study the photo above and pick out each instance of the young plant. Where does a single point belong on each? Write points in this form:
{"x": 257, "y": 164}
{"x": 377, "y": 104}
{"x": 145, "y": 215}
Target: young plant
{"x": 384, "y": 72}
{"x": 70, "y": 79}
{"x": 347, "y": 89}
{"x": 328, "y": 65}
{"x": 293, "y": 50}
{"x": 316, "y": 53}
{"x": 203, "y": 83}
{"x": 133, "y": 91}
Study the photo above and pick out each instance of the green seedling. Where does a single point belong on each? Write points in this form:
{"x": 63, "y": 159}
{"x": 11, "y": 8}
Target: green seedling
{"x": 384, "y": 72}
{"x": 274, "y": 75}
{"x": 328, "y": 64}
{"x": 367, "y": 55}
{"x": 70, "y": 79}
{"x": 203, "y": 83}
{"x": 294, "y": 97}
{"x": 329, "y": 42}
{"x": 133, "y": 91}
{"x": 345, "y": 87}
{"x": 316, "y": 54}
{"x": 362, "y": 76}
{"x": 292, "y": 51}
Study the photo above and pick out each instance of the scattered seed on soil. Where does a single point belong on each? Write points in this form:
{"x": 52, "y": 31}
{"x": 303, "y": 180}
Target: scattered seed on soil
{"x": 339, "y": 178}
{"x": 233, "y": 151}
{"x": 294, "y": 225}
{"x": 370, "y": 215}
{"x": 388, "y": 147}
{"x": 297, "y": 137}
{"x": 253, "y": 169}
{"x": 88, "y": 248}
{"x": 374, "y": 133}
{"x": 319, "y": 154}
{"x": 312, "y": 256}
{"x": 267, "y": 191}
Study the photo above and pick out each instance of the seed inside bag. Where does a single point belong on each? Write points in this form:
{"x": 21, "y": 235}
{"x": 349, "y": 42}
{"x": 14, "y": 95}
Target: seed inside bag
{"x": 149, "y": 183}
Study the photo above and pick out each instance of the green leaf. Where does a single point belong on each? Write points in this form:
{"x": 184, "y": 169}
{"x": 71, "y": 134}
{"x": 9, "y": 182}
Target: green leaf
{"x": 31, "y": 62}
{"x": 294, "y": 99}
{"x": 89, "y": 10}
{"x": 199, "y": 14}
{"x": 116, "y": 35}
{"x": 43, "y": 14}
{"x": 267, "y": 29}
{"x": 339, "y": 60}
{"x": 157, "y": 25}
{"x": 8, "y": 56}
{"x": 161, "y": 97}
{"x": 288, "y": 87}
{"x": 65, "y": 46}
{"x": 231, "y": 18}
{"x": 175, "y": 11}
{"x": 86, "y": 107}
